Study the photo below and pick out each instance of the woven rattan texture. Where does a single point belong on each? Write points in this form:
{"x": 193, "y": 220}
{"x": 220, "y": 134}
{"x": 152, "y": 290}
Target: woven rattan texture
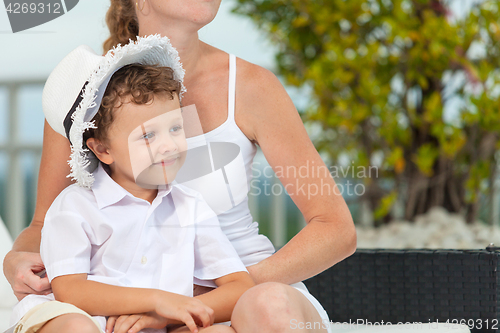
{"x": 412, "y": 286}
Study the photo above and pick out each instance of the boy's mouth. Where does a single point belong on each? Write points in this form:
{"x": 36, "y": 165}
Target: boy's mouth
{"x": 166, "y": 162}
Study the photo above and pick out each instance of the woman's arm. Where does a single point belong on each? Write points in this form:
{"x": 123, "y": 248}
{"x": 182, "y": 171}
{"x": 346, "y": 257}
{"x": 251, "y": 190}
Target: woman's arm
{"x": 267, "y": 116}
{"x": 101, "y": 299}
{"x": 24, "y": 259}
{"x": 223, "y": 298}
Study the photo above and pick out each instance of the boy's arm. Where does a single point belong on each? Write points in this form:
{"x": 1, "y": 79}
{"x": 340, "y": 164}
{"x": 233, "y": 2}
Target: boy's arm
{"x": 229, "y": 289}
{"x": 222, "y": 300}
{"x": 217, "y": 260}
{"x": 101, "y": 299}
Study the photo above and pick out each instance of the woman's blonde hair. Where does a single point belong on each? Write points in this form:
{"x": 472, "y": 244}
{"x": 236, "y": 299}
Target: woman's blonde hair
{"x": 122, "y": 23}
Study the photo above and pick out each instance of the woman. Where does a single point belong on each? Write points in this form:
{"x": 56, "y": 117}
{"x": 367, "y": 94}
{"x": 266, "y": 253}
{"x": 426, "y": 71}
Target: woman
{"x": 259, "y": 112}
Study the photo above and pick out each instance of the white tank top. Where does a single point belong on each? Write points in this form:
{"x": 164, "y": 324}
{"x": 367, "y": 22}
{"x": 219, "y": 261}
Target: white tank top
{"x": 221, "y": 170}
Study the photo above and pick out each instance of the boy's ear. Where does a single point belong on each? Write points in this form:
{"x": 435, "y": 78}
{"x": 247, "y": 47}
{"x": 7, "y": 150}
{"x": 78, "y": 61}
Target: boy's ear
{"x": 100, "y": 151}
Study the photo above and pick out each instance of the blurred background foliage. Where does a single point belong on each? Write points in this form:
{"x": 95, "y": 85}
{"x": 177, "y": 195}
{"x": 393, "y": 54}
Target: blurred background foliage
{"x": 403, "y": 85}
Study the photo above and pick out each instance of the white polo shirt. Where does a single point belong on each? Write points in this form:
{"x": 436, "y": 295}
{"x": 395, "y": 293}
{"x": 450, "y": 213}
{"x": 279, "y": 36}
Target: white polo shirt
{"x": 122, "y": 240}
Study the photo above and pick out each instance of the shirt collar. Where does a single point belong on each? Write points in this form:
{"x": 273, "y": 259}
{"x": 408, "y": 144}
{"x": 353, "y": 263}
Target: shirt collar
{"x": 107, "y": 192}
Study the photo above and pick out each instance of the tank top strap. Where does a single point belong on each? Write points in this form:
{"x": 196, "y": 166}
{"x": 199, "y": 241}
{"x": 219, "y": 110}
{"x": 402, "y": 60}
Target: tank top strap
{"x": 232, "y": 87}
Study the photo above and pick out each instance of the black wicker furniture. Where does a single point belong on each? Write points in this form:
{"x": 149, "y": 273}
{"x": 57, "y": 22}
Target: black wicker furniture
{"x": 413, "y": 286}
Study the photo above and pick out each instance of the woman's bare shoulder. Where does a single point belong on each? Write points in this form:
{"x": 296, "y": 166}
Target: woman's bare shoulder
{"x": 260, "y": 97}
{"x": 249, "y": 75}
{"x": 252, "y": 76}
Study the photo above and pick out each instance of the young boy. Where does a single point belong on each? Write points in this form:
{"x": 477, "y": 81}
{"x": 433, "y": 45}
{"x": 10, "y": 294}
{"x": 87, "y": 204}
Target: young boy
{"x": 127, "y": 241}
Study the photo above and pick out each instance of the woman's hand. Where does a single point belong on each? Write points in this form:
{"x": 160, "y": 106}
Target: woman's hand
{"x": 20, "y": 269}
{"x": 135, "y": 323}
{"x": 188, "y": 310}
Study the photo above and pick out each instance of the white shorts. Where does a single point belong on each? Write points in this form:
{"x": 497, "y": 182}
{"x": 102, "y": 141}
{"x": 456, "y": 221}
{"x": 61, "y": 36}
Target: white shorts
{"x": 325, "y": 320}
{"x": 39, "y": 315}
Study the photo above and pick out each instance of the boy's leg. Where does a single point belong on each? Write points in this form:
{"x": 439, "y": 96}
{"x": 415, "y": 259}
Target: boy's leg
{"x": 54, "y": 316}
{"x": 69, "y": 323}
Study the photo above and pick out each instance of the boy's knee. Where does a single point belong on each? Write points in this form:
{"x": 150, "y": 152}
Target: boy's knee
{"x": 70, "y": 323}
{"x": 82, "y": 324}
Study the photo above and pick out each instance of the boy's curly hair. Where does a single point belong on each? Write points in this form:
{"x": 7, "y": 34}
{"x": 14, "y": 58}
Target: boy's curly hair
{"x": 138, "y": 83}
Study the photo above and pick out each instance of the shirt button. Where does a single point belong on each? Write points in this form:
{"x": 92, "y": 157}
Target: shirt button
{"x": 144, "y": 260}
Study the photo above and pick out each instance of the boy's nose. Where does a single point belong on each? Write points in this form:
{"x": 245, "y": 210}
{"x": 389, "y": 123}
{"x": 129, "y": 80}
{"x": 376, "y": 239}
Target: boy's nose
{"x": 167, "y": 145}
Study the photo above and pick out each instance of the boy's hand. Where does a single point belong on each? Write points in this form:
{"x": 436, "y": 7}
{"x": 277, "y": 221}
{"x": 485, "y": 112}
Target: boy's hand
{"x": 188, "y": 310}
{"x": 135, "y": 323}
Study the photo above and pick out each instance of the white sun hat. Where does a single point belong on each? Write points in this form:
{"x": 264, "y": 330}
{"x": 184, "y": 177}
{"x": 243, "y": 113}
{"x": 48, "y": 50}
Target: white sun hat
{"x": 74, "y": 90}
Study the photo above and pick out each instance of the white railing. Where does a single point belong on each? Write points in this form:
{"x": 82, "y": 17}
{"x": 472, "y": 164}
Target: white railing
{"x": 16, "y": 192}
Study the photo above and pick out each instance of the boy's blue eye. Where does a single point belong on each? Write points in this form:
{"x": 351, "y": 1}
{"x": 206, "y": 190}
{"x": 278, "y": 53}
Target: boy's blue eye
{"x": 148, "y": 136}
{"x": 176, "y": 128}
